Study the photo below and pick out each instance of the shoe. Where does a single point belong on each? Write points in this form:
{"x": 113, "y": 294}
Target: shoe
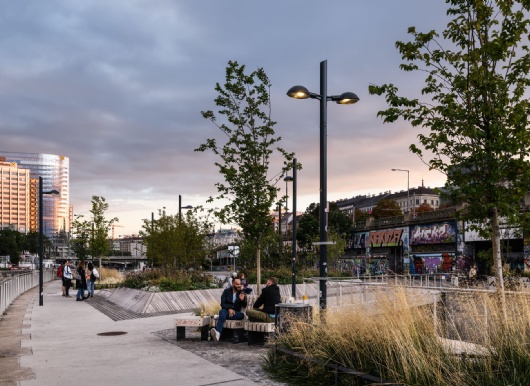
{"x": 215, "y": 334}
{"x": 84, "y": 298}
{"x": 78, "y": 300}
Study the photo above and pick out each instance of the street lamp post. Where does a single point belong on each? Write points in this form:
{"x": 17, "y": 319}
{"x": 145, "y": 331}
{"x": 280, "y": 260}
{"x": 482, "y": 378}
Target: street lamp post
{"x": 41, "y": 242}
{"x": 280, "y": 225}
{"x": 300, "y": 92}
{"x": 293, "y": 180}
{"x": 181, "y": 207}
{"x": 408, "y": 188}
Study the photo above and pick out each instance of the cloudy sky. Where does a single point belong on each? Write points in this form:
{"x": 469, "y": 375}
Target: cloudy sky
{"x": 118, "y": 87}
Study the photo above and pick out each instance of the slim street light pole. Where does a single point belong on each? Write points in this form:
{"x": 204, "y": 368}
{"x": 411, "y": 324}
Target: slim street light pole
{"x": 300, "y": 92}
{"x": 293, "y": 280}
{"x": 293, "y": 180}
{"x": 408, "y": 188}
{"x": 181, "y": 207}
{"x": 280, "y": 225}
{"x": 323, "y": 183}
{"x": 41, "y": 241}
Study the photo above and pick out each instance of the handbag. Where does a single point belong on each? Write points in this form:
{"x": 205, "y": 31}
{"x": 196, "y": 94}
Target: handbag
{"x": 77, "y": 276}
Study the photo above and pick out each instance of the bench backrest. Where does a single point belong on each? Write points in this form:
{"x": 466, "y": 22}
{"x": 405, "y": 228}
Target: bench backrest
{"x": 251, "y": 299}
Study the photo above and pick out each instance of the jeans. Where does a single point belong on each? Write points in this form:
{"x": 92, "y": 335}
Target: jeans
{"x": 80, "y": 293}
{"x": 90, "y": 287}
{"x": 223, "y": 315}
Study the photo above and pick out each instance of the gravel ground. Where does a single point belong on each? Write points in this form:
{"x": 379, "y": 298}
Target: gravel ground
{"x": 240, "y": 358}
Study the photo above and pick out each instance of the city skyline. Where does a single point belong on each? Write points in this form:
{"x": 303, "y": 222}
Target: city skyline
{"x": 118, "y": 88}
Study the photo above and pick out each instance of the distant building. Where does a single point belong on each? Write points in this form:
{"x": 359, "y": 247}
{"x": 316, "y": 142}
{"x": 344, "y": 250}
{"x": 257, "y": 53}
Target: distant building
{"x": 407, "y": 201}
{"x": 18, "y": 204}
{"x": 55, "y": 173}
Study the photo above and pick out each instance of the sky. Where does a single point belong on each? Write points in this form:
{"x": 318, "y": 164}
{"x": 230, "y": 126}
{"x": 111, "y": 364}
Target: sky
{"x": 118, "y": 87}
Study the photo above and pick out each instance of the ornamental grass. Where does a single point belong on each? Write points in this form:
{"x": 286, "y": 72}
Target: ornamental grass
{"x": 400, "y": 337}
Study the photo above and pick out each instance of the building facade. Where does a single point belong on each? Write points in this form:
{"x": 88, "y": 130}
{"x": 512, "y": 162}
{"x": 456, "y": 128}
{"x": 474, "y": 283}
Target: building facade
{"x": 55, "y": 173}
{"x": 17, "y": 205}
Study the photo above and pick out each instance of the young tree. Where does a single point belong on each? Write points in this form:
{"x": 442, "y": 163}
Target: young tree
{"x": 9, "y": 245}
{"x": 245, "y": 156}
{"x": 386, "y": 208}
{"x": 477, "y": 114}
{"x": 176, "y": 243}
{"x": 91, "y": 237}
{"x": 99, "y": 240}
{"x": 81, "y": 231}
{"x": 359, "y": 215}
{"x": 424, "y": 208}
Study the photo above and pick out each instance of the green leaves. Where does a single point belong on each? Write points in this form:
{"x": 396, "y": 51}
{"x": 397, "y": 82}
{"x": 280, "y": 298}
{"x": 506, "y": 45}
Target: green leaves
{"x": 249, "y": 143}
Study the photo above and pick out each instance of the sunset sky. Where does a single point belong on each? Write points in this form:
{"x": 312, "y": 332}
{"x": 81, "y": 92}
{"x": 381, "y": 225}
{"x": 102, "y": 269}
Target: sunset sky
{"x": 118, "y": 87}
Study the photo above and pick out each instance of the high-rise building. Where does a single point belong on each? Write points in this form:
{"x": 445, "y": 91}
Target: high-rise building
{"x": 15, "y": 197}
{"x": 55, "y": 173}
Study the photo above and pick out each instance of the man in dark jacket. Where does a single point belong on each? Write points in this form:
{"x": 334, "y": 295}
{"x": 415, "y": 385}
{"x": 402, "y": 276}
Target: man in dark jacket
{"x": 270, "y": 296}
{"x": 233, "y": 300}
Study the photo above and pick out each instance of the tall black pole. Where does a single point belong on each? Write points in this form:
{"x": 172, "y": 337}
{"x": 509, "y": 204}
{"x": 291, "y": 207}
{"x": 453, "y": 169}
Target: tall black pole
{"x": 280, "y": 225}
{"x": 41, "y": 246}
{"x": 293, "y": 281}
{"x": 180, "y": 207}
{"x": 323, "y": 185}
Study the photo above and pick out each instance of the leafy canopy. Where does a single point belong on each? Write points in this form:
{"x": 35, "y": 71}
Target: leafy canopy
{"x": 249, "y": 145}
{"x": 476, "y": 103}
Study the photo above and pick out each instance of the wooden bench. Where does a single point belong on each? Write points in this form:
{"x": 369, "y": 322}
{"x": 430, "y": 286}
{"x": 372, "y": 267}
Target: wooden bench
{"x": 257, "y": 332}
{"x": 184, "y": 321}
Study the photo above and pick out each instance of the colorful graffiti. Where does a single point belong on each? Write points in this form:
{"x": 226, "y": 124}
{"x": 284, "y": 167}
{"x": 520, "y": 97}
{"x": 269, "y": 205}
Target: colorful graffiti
{"x": 386, "y": 238}
{"x": 359, "y": 239}
{"x": 432, "y": 234}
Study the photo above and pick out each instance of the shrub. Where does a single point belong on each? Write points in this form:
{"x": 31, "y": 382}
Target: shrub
{"x": 174, "y": 281}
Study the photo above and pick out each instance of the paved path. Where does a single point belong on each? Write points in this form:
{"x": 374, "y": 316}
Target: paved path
{"x": 58, "y": 344}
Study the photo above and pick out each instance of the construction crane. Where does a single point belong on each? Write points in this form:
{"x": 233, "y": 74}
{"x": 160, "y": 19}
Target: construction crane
{"x": 115, "y": 226}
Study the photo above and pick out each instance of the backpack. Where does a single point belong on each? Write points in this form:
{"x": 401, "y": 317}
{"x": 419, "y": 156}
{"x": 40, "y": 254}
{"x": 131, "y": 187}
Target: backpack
{"x": 60, "y": 271}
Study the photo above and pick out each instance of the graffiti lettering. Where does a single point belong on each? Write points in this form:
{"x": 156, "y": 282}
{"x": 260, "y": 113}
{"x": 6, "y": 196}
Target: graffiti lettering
{"x": 387, "y": 238}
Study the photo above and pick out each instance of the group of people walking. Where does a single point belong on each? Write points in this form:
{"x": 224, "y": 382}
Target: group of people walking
{"x": 85, "y": 277}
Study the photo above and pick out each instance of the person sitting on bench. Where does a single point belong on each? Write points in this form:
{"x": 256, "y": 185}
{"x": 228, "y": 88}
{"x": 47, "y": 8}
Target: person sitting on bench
{"x": 233, "y": 300}
{"x": 270, "y": 296}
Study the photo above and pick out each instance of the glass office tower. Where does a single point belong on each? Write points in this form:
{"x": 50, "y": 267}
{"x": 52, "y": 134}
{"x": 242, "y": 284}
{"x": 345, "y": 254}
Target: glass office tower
{"x": 55, "y": 173}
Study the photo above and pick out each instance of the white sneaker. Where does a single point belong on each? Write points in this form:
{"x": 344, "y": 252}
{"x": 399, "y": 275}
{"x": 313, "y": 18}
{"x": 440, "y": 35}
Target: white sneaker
{"x": 215, "y": 334}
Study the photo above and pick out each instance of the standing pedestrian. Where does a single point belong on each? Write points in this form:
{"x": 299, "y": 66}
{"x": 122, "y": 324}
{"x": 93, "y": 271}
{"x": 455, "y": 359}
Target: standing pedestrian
{"x": 67, "y": 277}
{"x": 92, "y": 274}
{"x": 80, "y": 282}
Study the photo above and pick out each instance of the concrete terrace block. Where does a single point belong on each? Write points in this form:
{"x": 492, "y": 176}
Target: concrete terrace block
{"x": 131, "y": 299}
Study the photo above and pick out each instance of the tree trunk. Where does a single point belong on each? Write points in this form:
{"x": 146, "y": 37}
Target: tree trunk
{"x": 258, "y": 270}
{"x": 497, "y": 259}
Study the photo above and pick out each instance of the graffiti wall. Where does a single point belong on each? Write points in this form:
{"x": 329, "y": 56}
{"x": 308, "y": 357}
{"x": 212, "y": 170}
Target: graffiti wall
{"x": 439, "y": 233}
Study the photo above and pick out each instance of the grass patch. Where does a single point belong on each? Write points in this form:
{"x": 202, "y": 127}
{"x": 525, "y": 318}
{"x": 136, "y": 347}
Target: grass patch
{"x": 400, "y": 340}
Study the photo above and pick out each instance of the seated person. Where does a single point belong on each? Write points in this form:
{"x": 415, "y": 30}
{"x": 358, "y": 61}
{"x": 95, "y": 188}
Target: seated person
{"x": 244, "y": 283}
{"x": 233, "y": 300}
{"x": 270, "y": 296}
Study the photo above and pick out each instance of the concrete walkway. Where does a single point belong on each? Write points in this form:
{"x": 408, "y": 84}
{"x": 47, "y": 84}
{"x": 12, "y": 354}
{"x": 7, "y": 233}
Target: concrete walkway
{"x": 61, "y": 346}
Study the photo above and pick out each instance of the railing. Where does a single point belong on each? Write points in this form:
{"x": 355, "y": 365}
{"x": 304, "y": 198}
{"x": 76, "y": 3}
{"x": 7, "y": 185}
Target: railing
{"x": 12, "y": 287}
{"x": 435, "y": 214}
{"x": 395, "y": 220}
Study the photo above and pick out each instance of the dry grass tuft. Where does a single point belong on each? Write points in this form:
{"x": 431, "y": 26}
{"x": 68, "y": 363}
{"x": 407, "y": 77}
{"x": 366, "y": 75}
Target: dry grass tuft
{"x": 402, "y": 338}
{"x": 109, "y": 276}
{"x": 210, "y": 308}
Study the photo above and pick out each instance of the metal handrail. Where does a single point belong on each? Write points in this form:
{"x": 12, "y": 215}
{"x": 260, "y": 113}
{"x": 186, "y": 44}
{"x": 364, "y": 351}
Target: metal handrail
{"x": 13, "y": 287}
